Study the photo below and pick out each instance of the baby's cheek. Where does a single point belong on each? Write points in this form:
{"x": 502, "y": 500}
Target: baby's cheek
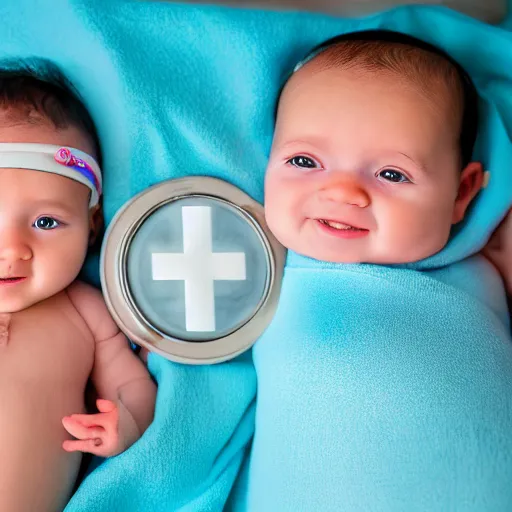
{"x": 63, "y": 275}
{"x": 68, "y": 267}
{"x": 271, "y": 205}
{"x": 281, "y": 216}
{"x": 275, "y": 220}
{"x": 413, "y": 232}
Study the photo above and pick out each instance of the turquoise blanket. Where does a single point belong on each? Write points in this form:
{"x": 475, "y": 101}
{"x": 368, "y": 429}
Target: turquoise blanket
{"x": 379, "y": 389}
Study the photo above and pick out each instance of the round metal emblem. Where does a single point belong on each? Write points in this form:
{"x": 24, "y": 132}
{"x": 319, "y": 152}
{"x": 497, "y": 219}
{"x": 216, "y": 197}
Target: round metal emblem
{"x": 190, "y": 270}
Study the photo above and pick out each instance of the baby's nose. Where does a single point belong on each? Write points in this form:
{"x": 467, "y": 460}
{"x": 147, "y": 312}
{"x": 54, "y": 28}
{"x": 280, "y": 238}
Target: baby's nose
{"x": 342, "y": 187}
{"x": 13, "y": 247}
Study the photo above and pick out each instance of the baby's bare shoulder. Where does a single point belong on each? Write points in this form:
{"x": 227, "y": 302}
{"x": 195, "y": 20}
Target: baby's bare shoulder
{"x": 90, "y": 304}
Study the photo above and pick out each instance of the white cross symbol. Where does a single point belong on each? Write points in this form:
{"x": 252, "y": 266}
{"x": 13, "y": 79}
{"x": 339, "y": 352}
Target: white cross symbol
{"x": 199, "y": 267}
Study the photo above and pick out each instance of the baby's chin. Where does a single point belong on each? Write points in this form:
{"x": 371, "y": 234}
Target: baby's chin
{"x": 353, "y": 257}
{"x": 13, "y": 301}
{"x": 336, "y": 258}
{"x": 11, "y": 307}
{"x": 327, "y": 256}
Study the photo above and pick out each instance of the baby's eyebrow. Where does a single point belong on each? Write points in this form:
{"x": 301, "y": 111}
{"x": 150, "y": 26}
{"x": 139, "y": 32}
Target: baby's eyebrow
{"x": 53, "y": 203}
{"x": 418, "y": 163}
{"x": 313, "y": 141}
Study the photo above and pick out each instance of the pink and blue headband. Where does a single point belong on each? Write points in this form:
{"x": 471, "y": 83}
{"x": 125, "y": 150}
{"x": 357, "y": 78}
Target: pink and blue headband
{"x": 68, "y": 162}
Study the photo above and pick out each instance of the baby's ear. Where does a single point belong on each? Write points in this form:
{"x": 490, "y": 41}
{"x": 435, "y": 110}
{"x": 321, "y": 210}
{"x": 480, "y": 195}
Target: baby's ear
{"x": 471, "y": 179}
{"x": 95, "y": 223}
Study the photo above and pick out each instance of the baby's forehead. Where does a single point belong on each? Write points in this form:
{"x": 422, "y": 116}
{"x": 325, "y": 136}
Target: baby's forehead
{"x": 430, "y": 74}
{"x": 439, "y": 89}
{"x": 37, "y": 187}
{"x": 362, "y": 114}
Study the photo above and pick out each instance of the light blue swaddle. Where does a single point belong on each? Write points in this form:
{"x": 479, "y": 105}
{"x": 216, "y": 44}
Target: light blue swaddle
{"x": 378, "y": 389}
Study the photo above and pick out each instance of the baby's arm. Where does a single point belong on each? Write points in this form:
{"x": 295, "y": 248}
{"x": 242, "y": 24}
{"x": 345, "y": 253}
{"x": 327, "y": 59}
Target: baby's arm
{"x": 499, "y": 251}
{"x": 122, "y": 381}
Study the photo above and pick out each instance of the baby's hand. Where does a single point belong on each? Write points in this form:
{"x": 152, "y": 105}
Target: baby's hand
{"x": 499, "y": 250}
{"x": 96, "y": 433}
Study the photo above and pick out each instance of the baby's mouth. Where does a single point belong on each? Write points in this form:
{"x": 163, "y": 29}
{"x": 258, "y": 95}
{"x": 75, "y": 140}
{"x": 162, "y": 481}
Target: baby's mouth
{"x": 341, "y": 226}
{"x": 11, "y": 280}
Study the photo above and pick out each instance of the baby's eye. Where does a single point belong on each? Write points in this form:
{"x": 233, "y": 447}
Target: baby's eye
{"x": 393, "y": 176}
{"x": 303, "y": 162}
{"x": 45, "y": 223}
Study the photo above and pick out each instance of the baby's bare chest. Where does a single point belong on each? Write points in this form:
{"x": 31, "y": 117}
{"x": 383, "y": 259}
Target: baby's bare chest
{"x": 48, "y": 344}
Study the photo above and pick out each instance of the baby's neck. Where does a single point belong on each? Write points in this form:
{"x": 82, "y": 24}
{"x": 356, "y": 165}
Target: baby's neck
{"x": 5, "y": 320}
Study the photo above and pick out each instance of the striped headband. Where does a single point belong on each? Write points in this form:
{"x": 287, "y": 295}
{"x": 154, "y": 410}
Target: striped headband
{"x": 65, "y": 161}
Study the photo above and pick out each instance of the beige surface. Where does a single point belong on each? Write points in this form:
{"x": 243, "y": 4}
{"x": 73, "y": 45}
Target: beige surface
{"x": 491, "y": 11}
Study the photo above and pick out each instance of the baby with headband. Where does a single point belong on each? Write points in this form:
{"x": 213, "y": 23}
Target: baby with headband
{"x": 55, "y": 332}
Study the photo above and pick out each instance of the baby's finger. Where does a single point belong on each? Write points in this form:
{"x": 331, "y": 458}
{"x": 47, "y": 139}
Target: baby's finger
{"x": 77, "y": 429}
{"x": 88, "y": 420}
{"x": 93, "y": 446}
{"x": 105, "y": 406}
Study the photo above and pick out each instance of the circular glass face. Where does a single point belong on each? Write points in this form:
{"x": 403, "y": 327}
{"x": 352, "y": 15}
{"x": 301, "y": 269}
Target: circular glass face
{"x": 197, "y": 269}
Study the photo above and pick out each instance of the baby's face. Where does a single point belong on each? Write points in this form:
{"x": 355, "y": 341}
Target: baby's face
{"x": 44, "y": 224}
{"x": 363, "y": 168}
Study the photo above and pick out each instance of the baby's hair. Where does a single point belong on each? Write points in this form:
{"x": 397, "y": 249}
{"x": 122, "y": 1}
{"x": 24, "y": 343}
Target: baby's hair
{"x": 36, "y": 92}
{"x": 417, "y": 61}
